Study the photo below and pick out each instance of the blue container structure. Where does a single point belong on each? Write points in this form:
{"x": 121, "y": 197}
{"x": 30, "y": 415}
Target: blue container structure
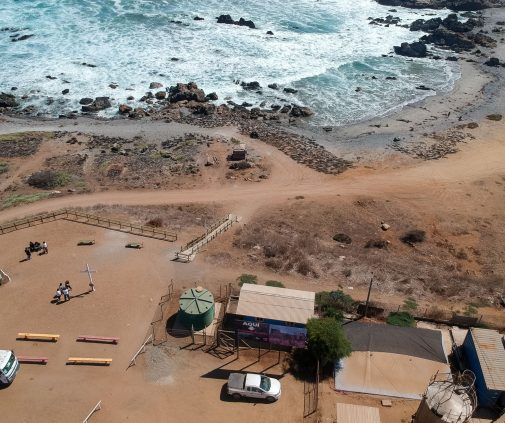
{"x": 484, "y": 350}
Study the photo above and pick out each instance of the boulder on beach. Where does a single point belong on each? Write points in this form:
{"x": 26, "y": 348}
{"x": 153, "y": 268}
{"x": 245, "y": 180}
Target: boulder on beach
{"x": 100, "y": 103}
{"x": 445, "y": 38}
{"x": 493, "y": 62}
{"x": 452, "y": 24}
{"x": 212, "y": 96}
{"x": 154, "y": 85}
{"x": 415, "y": 49}
{"x": 85, "y": 101}
{"x": 8, "y": 100}
{"x": 186, "y": 92}
{"x": 124, "y": 109}
{"x": 160, "y": 95}
{"x": 425, "y": 25}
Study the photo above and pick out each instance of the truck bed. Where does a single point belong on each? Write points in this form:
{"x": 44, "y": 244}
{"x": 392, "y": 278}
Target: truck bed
{"x": 236, "y": 381}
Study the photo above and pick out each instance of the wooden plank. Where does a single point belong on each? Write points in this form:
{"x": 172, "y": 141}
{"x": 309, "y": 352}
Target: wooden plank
{"x": 88, "y": 360}
{"x": 31, "y": 359}
{"x": 91, "y": 338}
{"x": 45, "y": 336}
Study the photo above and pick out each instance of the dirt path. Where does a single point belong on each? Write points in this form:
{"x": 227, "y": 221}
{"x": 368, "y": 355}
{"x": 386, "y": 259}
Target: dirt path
{"x": 431, "y": 180}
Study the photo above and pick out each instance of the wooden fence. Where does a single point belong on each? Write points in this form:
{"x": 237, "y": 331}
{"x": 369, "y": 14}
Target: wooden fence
{"x": 89, "y": 219}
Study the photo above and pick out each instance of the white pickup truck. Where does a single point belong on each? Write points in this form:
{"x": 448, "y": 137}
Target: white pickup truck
{"x": 9, "y": 366}
{"x": 253, "y": 386}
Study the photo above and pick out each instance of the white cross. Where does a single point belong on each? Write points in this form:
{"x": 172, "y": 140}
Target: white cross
{"x": 89, "y": 272}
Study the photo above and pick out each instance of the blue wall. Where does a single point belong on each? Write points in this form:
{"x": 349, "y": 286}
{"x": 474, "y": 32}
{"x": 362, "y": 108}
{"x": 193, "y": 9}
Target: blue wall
{"x": 486, "y": 397}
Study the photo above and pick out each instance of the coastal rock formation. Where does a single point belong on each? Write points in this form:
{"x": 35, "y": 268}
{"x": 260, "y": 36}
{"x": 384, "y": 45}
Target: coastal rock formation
{"x": 227, "y": 19}
{"x": 8, "y": 100}
{"x": 186, "y": 92}
{"x": 100, "y": 103}
{"x": 253, "y": 85}
{"x": 154, "y": 85}
{"x": 124, "y": 109}
{"x": 456, "y": 5}
{"x": 415, "y": 49}
{"x": 22, "y": 37}
{"x": 445, "y": 38}
{"x": 452, "y": 24}
{"x": 426, "y": 26}
{"x": 493, "y": 62}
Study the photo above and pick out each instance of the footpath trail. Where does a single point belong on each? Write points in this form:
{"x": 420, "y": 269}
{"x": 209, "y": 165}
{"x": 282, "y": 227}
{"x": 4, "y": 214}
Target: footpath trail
{"x": 429, "y": 180}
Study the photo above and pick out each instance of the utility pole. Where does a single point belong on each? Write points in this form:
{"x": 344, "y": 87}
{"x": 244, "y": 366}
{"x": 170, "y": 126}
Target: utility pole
{"x": 368, "y": 296}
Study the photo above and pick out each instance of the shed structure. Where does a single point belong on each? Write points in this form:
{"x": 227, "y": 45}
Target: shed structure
{"x": 484, "y": 350}
{"x": 276, "y": 305}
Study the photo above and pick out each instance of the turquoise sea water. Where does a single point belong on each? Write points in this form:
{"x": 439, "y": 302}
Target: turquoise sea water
{"x": 325, "y": 49}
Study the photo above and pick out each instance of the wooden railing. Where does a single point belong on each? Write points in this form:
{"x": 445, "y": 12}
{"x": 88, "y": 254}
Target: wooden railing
{"x": 89, "y": 219}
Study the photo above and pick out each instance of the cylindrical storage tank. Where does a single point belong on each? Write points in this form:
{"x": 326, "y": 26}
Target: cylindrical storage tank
{"x": 443, "y": 402}
{"x": 196, "y": 308}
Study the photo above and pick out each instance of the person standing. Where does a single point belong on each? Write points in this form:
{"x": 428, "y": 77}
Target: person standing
{"x": 28, "y": 253}
{"x": 66, "y": 292}
{"x": 44, "y": 247}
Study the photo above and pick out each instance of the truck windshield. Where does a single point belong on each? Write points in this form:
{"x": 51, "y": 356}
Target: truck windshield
{"x": 265, "y": 383}
{"x": 9, "y": 364}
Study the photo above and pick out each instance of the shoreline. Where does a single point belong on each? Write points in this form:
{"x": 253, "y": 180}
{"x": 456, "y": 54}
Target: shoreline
{"x": 479, "y": 91}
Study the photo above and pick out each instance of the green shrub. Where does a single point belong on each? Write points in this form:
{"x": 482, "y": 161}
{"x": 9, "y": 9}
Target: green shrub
{"x": 15, "y": 199}
{"x": 276, "y": 284}
{"x": 326, "y": 340}
{"x": 4, "y": 167}
{"x": 48, "y": 179}
{"x": 246, "y": 278}
{"x": 471, "y": 310}
{"x": 401, "y": 318}
{"x": 335, "y": 299}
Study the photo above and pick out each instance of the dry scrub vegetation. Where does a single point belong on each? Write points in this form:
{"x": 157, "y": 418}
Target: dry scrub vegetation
{"x": 450, "y": 256}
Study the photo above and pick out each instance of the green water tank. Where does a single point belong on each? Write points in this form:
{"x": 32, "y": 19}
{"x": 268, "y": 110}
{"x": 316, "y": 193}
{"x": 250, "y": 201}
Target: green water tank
{"x": 196, "y": 308}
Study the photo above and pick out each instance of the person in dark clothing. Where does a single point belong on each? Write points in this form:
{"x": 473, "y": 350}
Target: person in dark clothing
{"x": 28, "y": 253}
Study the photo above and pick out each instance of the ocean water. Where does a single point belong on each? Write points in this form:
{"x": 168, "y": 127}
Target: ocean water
{"x": 325, "y": 49}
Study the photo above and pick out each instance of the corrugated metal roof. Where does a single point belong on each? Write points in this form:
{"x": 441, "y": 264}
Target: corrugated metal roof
{"x": 267, "y": 302}
{"x": 491, "y": 352}
{"x": 350, "y": 413}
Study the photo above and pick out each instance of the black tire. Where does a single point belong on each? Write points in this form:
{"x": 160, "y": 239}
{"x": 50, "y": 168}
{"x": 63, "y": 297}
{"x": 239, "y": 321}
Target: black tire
{"x": 236, "y": 397}
{"x": 270, "y": 399}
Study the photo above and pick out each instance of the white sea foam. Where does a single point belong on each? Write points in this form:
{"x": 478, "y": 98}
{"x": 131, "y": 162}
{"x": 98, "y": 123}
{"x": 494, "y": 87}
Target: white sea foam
{"x": 325, "y": 49}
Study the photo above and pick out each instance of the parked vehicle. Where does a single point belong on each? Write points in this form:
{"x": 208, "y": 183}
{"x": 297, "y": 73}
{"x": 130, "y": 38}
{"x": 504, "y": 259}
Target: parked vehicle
{"x": 9, "y": 366}
{"x": 253, "y": 386}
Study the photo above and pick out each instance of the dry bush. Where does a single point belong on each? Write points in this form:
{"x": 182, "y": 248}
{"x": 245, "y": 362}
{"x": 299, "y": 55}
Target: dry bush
{"x": 414, "y": 236}
{"x": 156, "y": 222}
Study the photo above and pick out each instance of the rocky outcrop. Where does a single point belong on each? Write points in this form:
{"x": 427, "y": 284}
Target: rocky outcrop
{"x": 154, "y": 85}
{"x": 253, "y": 85}
{"x": 415, "y": 49}
{"x": 483, "y": 40}
{"x": 456, "y": 5}
{"x": 445, "y": 38}
{"x": 100, "y": 103}
{"x": 493, "y": 62}
{"x": 8, "y": 100}
{"x": 124, "y": 109}
{"x": 426, "y": 26}
{"x": 227, "y": 19}
{"x": 452, "y": 24}
{"x": 186, "y": 92}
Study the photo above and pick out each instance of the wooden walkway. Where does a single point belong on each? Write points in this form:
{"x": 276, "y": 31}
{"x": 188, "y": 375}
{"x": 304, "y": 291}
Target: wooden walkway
{"x": 189, "y": 251}
{"x": 89, "y": 219}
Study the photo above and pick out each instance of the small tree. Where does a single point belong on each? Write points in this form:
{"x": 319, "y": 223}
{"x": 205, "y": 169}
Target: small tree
{"x": 246, "y": 278}
{"x": 275, "y": 284}
{"x": 326, "y": 340}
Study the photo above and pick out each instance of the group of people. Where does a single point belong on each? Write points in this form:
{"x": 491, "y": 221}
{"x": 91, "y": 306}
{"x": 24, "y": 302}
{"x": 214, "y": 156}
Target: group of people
{"x": 34, "y": 247}
{"x": 63, "y": 290}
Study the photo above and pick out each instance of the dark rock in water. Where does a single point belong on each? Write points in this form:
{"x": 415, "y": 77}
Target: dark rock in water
{"x": 452, "y": 58}
{"x": 124, "y": 109}
{"x": 211, "y": 96}
{"x": 456, "y": 5}
{"x": 426, "y": 26}
{"x": 391, "y": 78}
{"x": 130, "y": 98}
{"x": 89, "y": 65}
{"x": 65, "y": 91}
{"x": 246, "y": 104}
{"x": 186, "y": 92}
{"x": 424, "y": 88}
{"x": 14, "y": 88}
{"x": 8, "y": 100}
{"x": 254, "y": 85}
{"x": 285, "y": 109}
{"x": 493, "y": 61}
{"x": 275, "y": 107}
{"x": 198, "y": 18}
{"x": 113, "y": 86}
{"x": 160, "y": 95}
{"x": 444, "y": 38}
{"x": 388, "y": 20}
{"x": 273, "y": 86}
{"x": 174, "y": 59}
{"x": 100, "y": 103}
{"x": 51, "y": 77}
{"x": 270, "y": 33}
{"x": 290, "y": 90}
{"x": 249, "y": 23}
{"x": 23, "y": 37}
{"x": 415, "y": 49}
{"x": 227, "y": 19}
{"x": 452, "y": 24}
{"x": 85, "y": 101}
{"x": 154, "y": 85}
{"x": 49, "y": 101}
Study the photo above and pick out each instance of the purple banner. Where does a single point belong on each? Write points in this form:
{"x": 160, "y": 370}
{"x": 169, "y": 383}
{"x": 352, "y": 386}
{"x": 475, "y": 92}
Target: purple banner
{"x": 287, "y": 336}
{"x": 252, "y": 330}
